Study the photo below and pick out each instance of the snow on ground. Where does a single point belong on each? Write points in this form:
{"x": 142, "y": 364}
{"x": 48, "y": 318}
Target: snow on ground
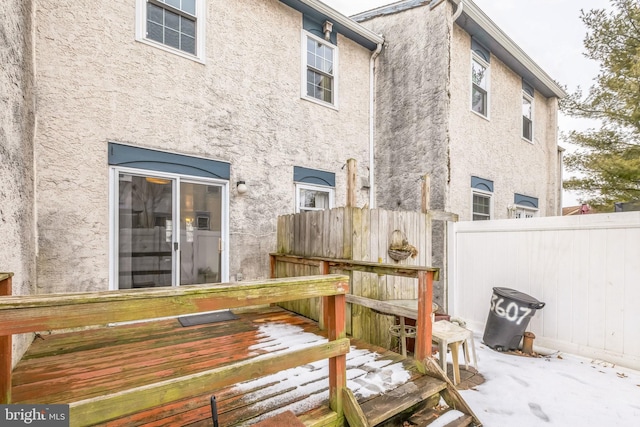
{"x": 560, "y": 390}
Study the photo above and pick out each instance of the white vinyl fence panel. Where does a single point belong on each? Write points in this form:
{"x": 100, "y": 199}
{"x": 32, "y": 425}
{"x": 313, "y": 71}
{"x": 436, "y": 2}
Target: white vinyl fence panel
{"x": 585, "y": 268}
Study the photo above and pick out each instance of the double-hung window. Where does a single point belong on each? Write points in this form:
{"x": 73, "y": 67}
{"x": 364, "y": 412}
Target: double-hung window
{"x": 319, "y": 69}
{"x": 480, "y": 58}
{"x": 481, "y": 199}
{"x": 527, "y": 112}
{"x": 174, "y": 25}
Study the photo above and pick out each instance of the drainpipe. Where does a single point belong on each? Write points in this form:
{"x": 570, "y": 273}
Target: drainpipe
{"x": 372, "y": 70}
{"x": 458, "y": 11}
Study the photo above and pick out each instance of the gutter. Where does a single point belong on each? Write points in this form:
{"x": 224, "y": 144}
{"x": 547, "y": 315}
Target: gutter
{"x": 372, "y": 117}
{"x": 338, "y": 18}
{"x": 473, "y": 12}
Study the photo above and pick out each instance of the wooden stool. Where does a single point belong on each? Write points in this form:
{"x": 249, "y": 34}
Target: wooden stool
{"x": 450, "y": 335}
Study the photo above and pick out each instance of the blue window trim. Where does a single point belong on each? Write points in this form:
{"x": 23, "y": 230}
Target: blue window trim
{"x": 522, "y": 200}
{"x": 527, "y": 88}
{"x": 144, "y": 158}
{"x": 314, "y": 27}
{"x": 314, "y": 176}
{"x": 481, "y": 184}
{"x": 480, "y": 50}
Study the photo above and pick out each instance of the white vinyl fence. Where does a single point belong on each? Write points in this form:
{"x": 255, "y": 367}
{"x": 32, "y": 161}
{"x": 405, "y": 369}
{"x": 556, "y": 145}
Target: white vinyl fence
{"x": 585, "y": 268}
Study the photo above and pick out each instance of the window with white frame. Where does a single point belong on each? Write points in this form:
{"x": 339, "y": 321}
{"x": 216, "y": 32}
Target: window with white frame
{"x": 480, "y": 58}
{"x": 313, "y": 197}
{"x": 174, "y": 25}
{"x": 481, "y": 199}
{"x": 527, "y": 112}
{"x": 525, "y": 206}
{"x": 319, "y": 69}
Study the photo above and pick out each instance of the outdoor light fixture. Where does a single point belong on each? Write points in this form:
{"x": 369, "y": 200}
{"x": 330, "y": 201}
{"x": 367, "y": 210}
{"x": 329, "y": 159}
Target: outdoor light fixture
{"x": 241, "y": 187}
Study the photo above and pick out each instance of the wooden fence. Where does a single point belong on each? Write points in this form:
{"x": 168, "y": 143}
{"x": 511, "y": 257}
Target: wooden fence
{"x": 21, "y": 314}
{"x": 350, "y": 233}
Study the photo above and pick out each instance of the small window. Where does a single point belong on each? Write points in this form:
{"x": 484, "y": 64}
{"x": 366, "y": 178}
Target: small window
{"x": 177, "y": 25}
{"x": 319, "y": 71}
{"x": 527, "y": 112}
{"x": 524, "y": 212}
{"x": 313, "y": 197}
{"x": 481, "y": 206}
{"x": 525, "y": 206}
{"x": 479, "y": 85}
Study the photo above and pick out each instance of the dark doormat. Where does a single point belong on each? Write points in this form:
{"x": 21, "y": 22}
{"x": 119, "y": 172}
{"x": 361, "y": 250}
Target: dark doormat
{"x": 201, "y": 319}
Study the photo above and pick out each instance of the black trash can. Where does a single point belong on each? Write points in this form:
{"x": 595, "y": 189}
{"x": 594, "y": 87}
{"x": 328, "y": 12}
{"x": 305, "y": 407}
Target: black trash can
{"x": 508, "y": 319}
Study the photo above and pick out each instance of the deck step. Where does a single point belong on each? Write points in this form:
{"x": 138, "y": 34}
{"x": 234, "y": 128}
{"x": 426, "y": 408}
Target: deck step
{"x": 439, "y": 417}
{"x": 381, "y": 408}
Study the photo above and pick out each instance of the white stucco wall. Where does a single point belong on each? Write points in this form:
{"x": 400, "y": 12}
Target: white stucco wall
{"x": 493, "y": 148}
{"x": 97, "y": 84}
{"x": 17, "y": 230}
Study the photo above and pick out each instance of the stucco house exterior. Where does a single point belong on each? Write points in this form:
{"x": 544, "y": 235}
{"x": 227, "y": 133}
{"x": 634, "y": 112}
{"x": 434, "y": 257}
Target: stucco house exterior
{"x": 457, "y": 99}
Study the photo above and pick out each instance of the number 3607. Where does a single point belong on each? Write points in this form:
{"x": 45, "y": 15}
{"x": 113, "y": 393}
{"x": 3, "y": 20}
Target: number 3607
{"x": 511, "y": 312}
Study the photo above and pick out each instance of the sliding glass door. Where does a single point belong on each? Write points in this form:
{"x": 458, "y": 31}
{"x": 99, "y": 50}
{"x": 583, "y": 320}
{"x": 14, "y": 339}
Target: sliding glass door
{"x": 169, "y": 230}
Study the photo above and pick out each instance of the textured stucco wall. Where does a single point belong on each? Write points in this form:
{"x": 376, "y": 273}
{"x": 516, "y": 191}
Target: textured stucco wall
{"x": 97, "y": 84}
{"x": 412, "y": 106}
{"x": 493, "y": 148}
{"x": 412, "y": 115}
{"x": 17, "y": 230}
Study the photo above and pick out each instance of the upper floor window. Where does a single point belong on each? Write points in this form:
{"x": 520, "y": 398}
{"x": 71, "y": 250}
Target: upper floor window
{"x": 480, "y": 79}
{"x": 176, "y": 25}
{"x": 319, "y": 70}
{"x": 481, "y": 193}
{"x": 527, "y": 112}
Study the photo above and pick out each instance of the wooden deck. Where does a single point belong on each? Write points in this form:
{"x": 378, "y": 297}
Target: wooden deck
{"x": 66, "y": 367}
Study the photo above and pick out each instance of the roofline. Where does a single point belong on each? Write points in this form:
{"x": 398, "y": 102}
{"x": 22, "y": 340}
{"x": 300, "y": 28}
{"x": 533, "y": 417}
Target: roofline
{"x": 341, "y": 23}
{"x": 473, "y": 12}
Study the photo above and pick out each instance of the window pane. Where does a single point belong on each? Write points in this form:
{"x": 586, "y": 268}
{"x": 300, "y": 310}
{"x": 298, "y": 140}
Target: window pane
{"x": 526, "y": 108}
{"x": 174, "y": 3}
{"x": 188, "y": 44}
{"x": 527, "y": 129}
{"x": 172, "y": 38}
{"x": 481, "y": 207}
{"x": 479, "y": 101}
{"x": 479, "y": 75}
{"x": 187, "y": 26}
{"x": 154, "y": 13}
{"x": 154, "y": 32}
{"x": 171, "y": 20}
{"x": 189, "y": 6}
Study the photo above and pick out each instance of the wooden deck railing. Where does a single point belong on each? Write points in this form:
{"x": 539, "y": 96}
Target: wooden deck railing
{"x": 425, "y": 276}
{"x": 5, "y": 345}
{"x": 21, "y": 314}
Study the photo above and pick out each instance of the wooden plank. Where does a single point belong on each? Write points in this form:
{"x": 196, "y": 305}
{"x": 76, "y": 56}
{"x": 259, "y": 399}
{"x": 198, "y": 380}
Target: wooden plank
{"x": 352, "y": 410}
{"x": 334, "y": 313}
{"x": 450, "y": 394}
{"x": 103, "y": 408}
{"x": 58, "y": 311}
{"x": 383, "y": 407}
{"x": 283, "y": 419}
{"x": 6, "y": 345}
{"x": 352, "y": 169}
{"x": 423, "y": 323}
{"x": 387, "y": 307}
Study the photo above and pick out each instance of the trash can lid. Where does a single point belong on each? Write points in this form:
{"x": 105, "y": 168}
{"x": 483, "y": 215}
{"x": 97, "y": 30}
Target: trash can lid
{"x": 516, "y": 295}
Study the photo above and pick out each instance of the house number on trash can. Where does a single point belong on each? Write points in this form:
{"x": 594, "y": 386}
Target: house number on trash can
{"x": 511, "y": 312}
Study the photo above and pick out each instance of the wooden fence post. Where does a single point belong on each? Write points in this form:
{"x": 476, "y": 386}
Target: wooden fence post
{"x": 324, "y": 320}
{"x": 351, "y": 183}
{"x": 5, "y": 347}
{"x": 425, "y": 307}
{"x": 426, "y": 193}
{"x": 335, "y": 309}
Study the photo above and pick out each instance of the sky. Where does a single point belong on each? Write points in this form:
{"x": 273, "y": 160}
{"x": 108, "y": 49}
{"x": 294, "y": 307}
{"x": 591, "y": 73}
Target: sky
{"x": 549, "y": 31}
{"x": 557, "y": 390}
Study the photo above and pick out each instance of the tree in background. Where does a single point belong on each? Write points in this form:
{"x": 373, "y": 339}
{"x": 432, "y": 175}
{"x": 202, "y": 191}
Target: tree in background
{"x": 608, "y": 159}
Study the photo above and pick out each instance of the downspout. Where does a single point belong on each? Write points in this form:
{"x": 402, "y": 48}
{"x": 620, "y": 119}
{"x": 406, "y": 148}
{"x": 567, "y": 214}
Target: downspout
{"x": 458, "y": 11}
{"x": 372, "y": 70}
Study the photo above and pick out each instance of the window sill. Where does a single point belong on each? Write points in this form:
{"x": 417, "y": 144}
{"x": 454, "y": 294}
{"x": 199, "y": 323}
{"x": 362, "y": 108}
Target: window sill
{"x": 317, "y": 101}
{"x": 176, "y": 52}
{"x": 527, "y": 140}
{"x": 480, "y": 115}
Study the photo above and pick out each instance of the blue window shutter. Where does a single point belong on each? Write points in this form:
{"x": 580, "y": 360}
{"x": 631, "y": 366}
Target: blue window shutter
{"x": 313, "y": 176}
{"x": 522, "y": 200}
{"x": 481, "y": 184}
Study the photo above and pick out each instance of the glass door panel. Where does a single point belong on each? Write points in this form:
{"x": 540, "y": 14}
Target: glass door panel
{"x": 145, "y": 231}
{"x": 200, "y": 233}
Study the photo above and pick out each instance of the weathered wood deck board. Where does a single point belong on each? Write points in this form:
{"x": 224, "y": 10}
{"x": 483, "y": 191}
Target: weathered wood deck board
{"x": 78, "y": 365}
